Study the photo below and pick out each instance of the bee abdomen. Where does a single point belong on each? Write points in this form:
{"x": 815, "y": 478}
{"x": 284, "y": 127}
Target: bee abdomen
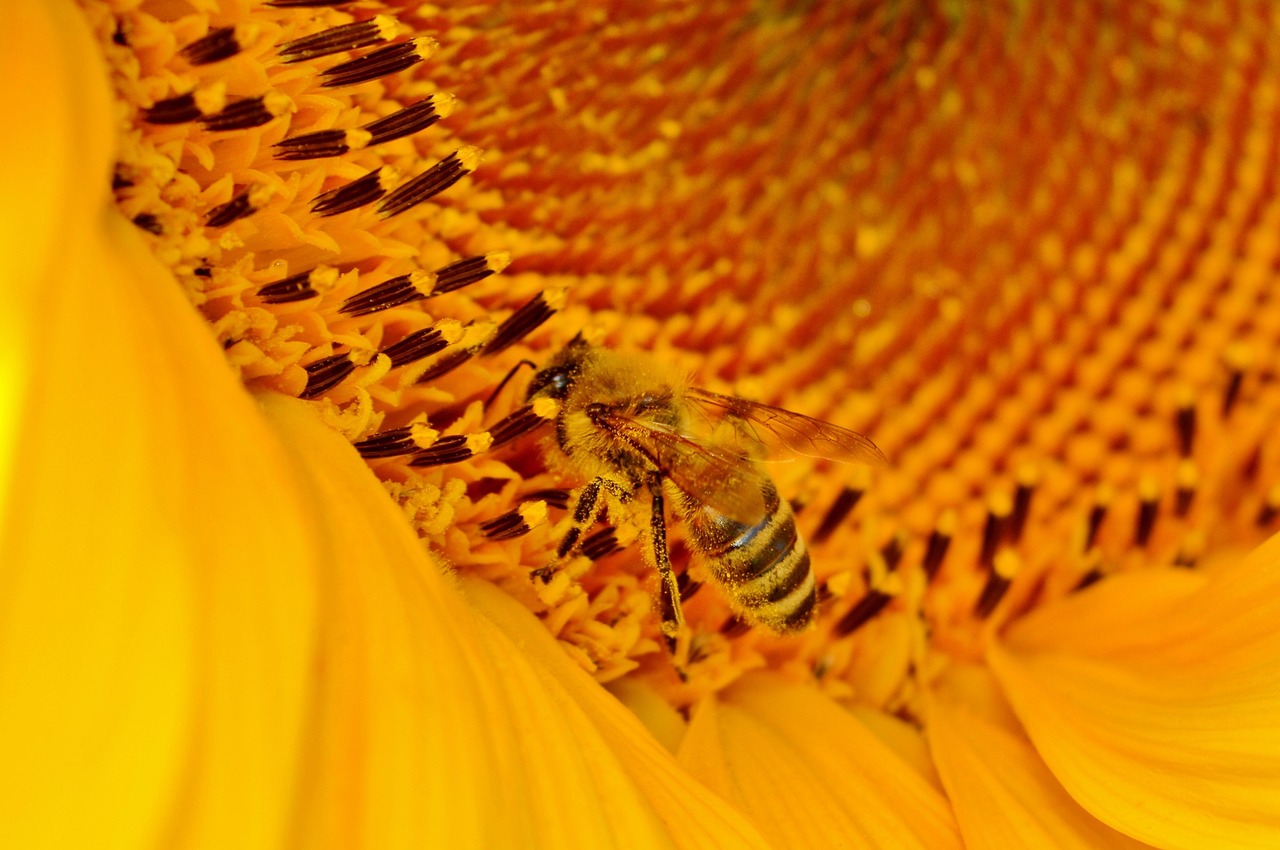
{"x": 767, "y": 571}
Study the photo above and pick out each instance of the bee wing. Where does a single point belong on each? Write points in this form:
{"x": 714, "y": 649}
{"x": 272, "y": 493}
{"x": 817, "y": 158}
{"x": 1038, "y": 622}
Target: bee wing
{"x": 781, "y": 430}
{"x": 728, "y": 483}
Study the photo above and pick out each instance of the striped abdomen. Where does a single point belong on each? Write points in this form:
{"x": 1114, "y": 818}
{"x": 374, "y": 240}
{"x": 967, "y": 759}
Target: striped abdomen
{"x": 764, "y": 567}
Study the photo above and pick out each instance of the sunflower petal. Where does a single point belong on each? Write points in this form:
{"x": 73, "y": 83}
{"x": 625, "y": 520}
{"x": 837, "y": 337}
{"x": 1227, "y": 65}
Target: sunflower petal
{"x": 1154, "y": 697}
{"x": 1002, "y": 793}
{"x": 809, "y": 773}
{"x": 696, "y": 817}
{"x": 156, "y": 610}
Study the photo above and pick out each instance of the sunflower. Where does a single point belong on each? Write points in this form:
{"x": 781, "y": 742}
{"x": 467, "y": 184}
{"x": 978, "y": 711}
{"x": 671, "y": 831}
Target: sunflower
{"x": 308, "y": 594}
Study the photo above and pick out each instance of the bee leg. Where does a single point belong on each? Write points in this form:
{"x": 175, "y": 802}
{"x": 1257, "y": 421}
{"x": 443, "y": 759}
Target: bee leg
{"x": 669, "y": 589}
{"x": 584, "y": 511}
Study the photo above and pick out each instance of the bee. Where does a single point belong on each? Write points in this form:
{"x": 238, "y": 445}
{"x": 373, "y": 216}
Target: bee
{"x": 633, "y": 434}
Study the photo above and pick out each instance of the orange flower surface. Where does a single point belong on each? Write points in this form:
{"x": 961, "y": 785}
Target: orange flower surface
{"x": 279, "y": 563}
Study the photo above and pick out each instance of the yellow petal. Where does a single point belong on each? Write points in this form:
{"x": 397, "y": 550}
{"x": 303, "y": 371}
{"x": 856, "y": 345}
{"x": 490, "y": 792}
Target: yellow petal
{"x": 1154, "y": 697}
{"x": 809, "y": 773}
{"x": 1001, "y": 791}
{"x": 696, "y": 817}
{"x": 155, "y": 613}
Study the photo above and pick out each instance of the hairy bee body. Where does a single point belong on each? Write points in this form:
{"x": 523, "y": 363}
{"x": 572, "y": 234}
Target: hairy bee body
{"x": 630, "y": 431}
{"x": 763, "y": 567}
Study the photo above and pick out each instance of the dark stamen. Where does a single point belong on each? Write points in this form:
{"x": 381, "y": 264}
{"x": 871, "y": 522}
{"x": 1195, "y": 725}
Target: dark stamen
{"x": 1148, "y": 506}
{"x": 357, "y": 193}
{"x": 395, "y": 292}
{"x": 338, "y": 39}
{"x": 446, "y": 450}
{"x": 411, "y": 119}
{"x": 1186, "y": 489}
{"x": 385, "y": 60}
{"x": 464, "y": 272}
{"x": 317, "y": 145}
{"x": 219, "y": 44}
{"x": 293, "y": 288}
{"x": 325, "y": 374}
{"x": 1185, "y": 423}
{"x": 1027, "y": 479}
{"x": 998, "y": 512}
{"x": 892, "y": 552}
{"x": 939, "y": 542}
{"x": 601, "y": 543}
{"x": 867, "y": 607}
{"x": 686, "y": 586}
{"x": 515, "y": 425}
{"x": 430, "y": 183}
{"x": 233, "y": 210}
{"x": 389, "y": 443}
{"x": 415, "y": 346}
{"x": 845, "y": 502}
{"x": 1003, "y": 570}
{"x": 520, "y": 323}
{"x": 149, "y": 223}
{"x": 1096, "y": 515}
{"x": 734, "y": 627}
{"x": 304, "y": 4}
{"x": 446, "y": 364}
{"x": 173, "y": 110}
{"x": 241, "y": 115}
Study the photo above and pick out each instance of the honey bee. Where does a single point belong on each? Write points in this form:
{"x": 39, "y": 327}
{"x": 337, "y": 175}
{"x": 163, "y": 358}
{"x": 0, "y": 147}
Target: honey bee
{"x": 629, "y": 432}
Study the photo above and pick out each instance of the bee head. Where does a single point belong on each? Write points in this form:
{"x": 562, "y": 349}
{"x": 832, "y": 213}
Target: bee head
{"x": 555, "y": 379}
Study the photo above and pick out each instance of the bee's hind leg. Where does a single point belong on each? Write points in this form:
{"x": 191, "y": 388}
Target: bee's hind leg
{"x": 669, "y": 588}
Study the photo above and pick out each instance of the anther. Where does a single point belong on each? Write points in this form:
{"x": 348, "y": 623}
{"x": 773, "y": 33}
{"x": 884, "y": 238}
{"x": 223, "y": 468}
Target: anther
{"x": 465, "y": 272}
{"x": 445, "y": 365}
{"x": 245, "y": 204}
{"x": 525, "y": 320}
{"x": 1187, "y": 479}
{"x": 411, "y": 119}
{"x": 248, "y": 112}
{"x": 1101, "y": 501}
{"x": 1027, "y": 479}
{"x": 415, "y": 346}
{"x": 939, "y": 541}
{"x": 999, "y": 509}
{"x": 515, "y": 425}
{"x": 1148, "y": 507}
{"x": 221, "y": 43}
{"x": 1185, "y": 420}
{"x": 395, "y": 292}
{"x": 431, "y": 182}
{"x": 686, "y": 586}
{"x": 385, "y": 60}
{"x": 299, "y": 287}
{"x": 601, "y": 543}
{"x": 1237, "y": 359}
{"x": 871, "y": 604}
{"x": 321, "y": 144}
{"x": 185, "y": 107}
{"x": 892, "y": 551}
{"x": 846, "y": 500}
{"x": 1270, "y": 508}
{"x": 734, "y": 627}
{"x": 357, "y": 193}
{"x": 149, "y": 223}
{"x": 1003, "y": 569}
{"x": 326, "y": 373}
{"x": 453, "y": 449}
{"x": 376, "y": 30}
{"x": 397, "y": 441}
{"x": 515, "y": 523}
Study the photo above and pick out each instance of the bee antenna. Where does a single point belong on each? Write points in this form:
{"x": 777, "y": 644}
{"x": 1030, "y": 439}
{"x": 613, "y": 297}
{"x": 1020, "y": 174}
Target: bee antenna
{"x": 510, "y": 374}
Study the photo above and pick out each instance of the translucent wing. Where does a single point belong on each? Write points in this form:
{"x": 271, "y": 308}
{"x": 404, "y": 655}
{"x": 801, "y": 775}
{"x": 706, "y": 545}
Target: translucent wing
{"x": 782, "y": 430}
{"x": 726, "y": 482}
